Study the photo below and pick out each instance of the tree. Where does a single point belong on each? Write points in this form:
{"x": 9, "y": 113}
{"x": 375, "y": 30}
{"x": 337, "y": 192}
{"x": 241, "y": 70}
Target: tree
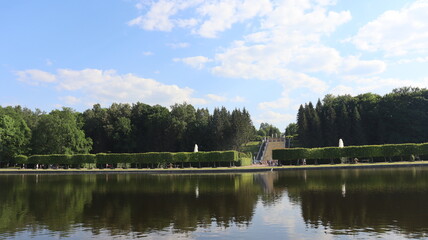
{"x": 220, "y": 129}
{"x": 242, "y": 128}
{"x": 95, "y": 126}
{"x": 268, "y": 130}
{"x": 330, "y": 132}
{"x": 182, "y": 116}
{"x": 302, "y": 126}
{"x": 14, "y": 137}
{"x": 291, "y": 129}
{"x": 357, "y": 132}
{"x": 313, "y": 135}
{"x": 199, "y": 129}
{"x": 60, "y": 132}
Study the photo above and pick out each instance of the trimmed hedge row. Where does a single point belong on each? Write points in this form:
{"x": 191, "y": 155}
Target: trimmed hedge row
{"x": 245, "y": 159}
{"x": 367, "y": 151}
{"x": 153, "y": 158}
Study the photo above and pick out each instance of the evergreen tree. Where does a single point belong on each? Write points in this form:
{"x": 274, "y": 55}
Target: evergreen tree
{"x": 330, "y": 132}
{"x": 357, "y": 131}
{"x": 302, "y": 124}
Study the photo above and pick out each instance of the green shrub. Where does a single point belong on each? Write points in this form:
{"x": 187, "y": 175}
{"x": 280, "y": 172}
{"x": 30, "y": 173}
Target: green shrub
{"x": 157, "y": 159}
{"x": 83, "y": 158}
{"x": 368, "y": 151}
{"x": 20, "y": 159}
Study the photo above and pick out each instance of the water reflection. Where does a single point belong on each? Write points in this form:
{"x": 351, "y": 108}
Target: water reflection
{"x": 343, "y": 201}
{"x": 125, "y": 203}
{"x": 351, "y": 201}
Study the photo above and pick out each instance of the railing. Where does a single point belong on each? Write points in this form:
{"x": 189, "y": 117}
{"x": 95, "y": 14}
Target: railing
{"x": 262, "y": 149}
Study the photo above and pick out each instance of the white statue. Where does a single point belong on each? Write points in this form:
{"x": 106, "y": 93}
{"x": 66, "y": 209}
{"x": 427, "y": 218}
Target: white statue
{"x": 341, "y": 145}
{"x": 196, "y": 148}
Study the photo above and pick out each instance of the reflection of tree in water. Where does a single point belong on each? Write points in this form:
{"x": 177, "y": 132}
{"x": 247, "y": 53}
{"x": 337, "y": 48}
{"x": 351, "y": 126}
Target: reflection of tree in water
{"x": 37, "y": 200}
{"x": 380, "y": 200}
{"x": 125, "y": 203}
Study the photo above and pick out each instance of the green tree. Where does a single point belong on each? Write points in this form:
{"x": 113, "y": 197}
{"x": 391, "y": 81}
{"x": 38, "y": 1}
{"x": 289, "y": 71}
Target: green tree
{"x": 302, "y": 126}
{"x": 242, "y": 128}
{"x": 14, "y": 137}
{"x": 95, "y": 127}
{"x": 330, "y": 132}
{"x": 268, "y": 130}
{"x": 182, "y": 117}
{"x": 357, "y": 131}
{"x": 60, "y": 132}
{"x": 291, "y": 129}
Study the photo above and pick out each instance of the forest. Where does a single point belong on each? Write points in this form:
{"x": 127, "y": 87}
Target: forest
{"x": 397, "y": 117}
{"x": 122, "y": 128}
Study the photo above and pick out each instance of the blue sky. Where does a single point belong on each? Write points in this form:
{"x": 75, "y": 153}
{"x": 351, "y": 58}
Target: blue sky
{"x": 267, "y": 56}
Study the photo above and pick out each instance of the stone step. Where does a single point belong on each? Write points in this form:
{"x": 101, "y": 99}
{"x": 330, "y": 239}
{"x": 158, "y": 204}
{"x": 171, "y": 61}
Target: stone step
{"x": 272, "y": 145}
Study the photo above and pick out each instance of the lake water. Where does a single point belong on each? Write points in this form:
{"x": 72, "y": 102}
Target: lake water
{"x": 312, "y": 204}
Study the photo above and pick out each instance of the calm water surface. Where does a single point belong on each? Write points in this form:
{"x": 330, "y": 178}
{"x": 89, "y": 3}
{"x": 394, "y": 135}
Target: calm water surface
{"x": 330, "y": 204}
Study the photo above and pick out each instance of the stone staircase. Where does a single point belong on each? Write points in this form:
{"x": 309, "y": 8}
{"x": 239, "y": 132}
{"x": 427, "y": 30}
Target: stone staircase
{"x": 265, "y": 153}
{"x": 270, "y": 146}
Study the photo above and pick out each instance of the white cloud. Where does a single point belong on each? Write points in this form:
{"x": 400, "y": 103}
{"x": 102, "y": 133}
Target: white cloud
{"x": 148, "y": 53}
{"x": 354, "y": 66}
{"x": 178, "y": 45}
{"x": 70, "y": 100}
{"x": 238, "y": 99}
{"x": 197, "y": 62}
{"x": 158, "y": 17}
{"x": 221, "y": 98}
{"x": 216, "y": 98}
{"x": 283, "y": 103}
{"x": 413, "y": 60}
{"x": 211, "y": 17}
{"x": 396, "y": 32}
{"x": 106, "y": 87}
{"x": 357, "y": 85}
{"x": 275, "y": 118}
{"x": 35, "y": 77}
{"x": 287, "y": 48}
{"x": 223, "y": 14}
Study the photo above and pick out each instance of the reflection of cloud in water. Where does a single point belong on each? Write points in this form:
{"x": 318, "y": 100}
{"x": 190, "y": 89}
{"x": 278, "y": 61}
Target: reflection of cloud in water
{"x": 287, "y": 217}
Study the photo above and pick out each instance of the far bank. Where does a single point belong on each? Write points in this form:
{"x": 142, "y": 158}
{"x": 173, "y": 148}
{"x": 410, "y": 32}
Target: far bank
{"x": 252, "y": 168}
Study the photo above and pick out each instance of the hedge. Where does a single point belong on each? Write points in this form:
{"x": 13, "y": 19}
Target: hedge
{"x": 367, "y": 151}
{"x": 20, "y": 159}
{"x": 125, "y": 159}
{"x": 244, "y": 159}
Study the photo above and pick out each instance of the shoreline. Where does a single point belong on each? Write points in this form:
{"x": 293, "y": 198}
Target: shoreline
{"x": 253, "y": 168}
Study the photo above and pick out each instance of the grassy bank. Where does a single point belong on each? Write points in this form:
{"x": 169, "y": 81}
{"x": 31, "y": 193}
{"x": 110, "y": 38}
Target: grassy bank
{"x": 253, "y": 168}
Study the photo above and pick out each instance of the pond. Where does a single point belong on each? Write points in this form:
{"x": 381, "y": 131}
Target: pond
{"x": 310, "y": 204}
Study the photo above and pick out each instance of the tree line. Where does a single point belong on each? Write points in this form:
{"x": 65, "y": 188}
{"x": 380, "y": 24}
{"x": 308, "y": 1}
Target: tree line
{"x": 397, "y": 117}
{"x": 122, "y": 128}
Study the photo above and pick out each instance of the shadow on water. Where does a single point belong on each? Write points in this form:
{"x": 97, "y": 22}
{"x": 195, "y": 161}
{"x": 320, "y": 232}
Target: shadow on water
{"x": 345, "y": 201}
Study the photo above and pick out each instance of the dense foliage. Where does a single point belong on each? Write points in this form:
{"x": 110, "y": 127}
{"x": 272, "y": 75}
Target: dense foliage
{"x": 151, "y": 159}
{"x": 144, "y": 128}
{"x": 121, "y": 128}
{"x": 407, "y": 151}
{"x": 268, "y": 130}
{"x": 398, "y": 117}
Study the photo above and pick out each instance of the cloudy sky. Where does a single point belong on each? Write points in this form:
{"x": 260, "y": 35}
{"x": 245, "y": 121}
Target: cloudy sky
{"x": 269, "y": 56}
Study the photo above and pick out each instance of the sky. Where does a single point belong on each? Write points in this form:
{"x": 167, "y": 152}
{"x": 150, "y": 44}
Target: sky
{"x": 268, "y": 56}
